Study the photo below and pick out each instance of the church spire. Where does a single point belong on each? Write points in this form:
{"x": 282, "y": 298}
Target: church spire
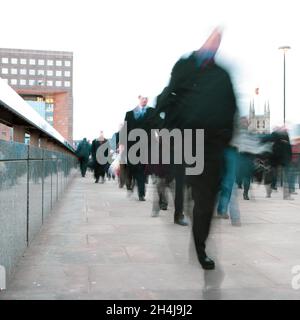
{"x": 253, "y": 108}
{"x": 265, "y": 108}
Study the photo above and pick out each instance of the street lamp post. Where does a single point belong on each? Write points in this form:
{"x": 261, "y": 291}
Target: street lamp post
{"x": 284, "y": 49}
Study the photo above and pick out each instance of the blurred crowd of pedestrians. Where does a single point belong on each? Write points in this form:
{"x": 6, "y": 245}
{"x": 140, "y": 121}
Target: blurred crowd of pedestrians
{"x": 200, "y": 95}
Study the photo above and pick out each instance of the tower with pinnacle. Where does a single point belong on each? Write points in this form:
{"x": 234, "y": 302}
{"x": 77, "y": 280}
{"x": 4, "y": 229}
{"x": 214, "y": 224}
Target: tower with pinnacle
{"x": 259, "y": 123}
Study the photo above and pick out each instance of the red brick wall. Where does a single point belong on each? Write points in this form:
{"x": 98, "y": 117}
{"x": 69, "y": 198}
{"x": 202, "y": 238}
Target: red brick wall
{"x": 5, "y": 132}
{"x": 63, "y": 115}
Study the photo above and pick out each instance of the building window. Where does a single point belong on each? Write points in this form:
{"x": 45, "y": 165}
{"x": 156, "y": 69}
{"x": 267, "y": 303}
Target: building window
{"x": 257, "y": 124}
{"x": 67, "y": 83}
{"x": 23, "y": 82}
{"x": 67, "y": 63}
{"x": 40, "y": 72}
{"x": 49, "y": 100}
{"x": 41, "y": 62}
{"x": 4, "y": 71}
{"x": 32, "y": 72}
{"x": 13, "y": 82}
{"x": 4, "y": 60}
{"x": 49, "y": 108}
{"x": 58, "y": 63}
{"x": 40, "y": 82}
{"x": 58, "y": 83}
{"x": 49, "y": 62}
{"x": 23, "y": 61}
{"x": 23, "y": 72}
{"x": 49, "y": 73}
{"x": 14, "y": 71}
{"x": 67, "y": 73}
{"x": 6, "y": 80}
{"x": 32, "y": 62}
{"x": 58, "y": 73}
{"x": 14, "y": 60}
{"x": 49, "y": 83}
{"x": 32, "y": 82}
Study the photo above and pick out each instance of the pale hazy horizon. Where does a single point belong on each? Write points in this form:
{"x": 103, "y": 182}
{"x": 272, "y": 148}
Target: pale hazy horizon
{"x": 126, "y": 48}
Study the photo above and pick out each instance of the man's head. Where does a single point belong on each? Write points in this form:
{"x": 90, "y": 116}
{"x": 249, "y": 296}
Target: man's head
{"x": 209, "y": 49}
{"x": 213, "y": 41}
{"x": 143, "y": 101}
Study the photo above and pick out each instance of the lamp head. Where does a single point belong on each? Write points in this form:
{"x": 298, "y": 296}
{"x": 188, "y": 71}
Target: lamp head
{"x": 284, "y": 48}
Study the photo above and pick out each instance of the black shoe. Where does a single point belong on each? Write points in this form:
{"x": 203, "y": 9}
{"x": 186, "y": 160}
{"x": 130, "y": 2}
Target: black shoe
{"x": 181, "y": 221}
{"x": 97, "y": 181}
{"x": 163, "y": 207}
{"x": 246, "y": 197}
{"x": 207, "y": 263}
{"x": 142, "y": 199}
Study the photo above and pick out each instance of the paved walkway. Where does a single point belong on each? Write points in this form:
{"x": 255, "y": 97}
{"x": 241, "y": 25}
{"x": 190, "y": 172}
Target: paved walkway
{"x": 100, "y": 244}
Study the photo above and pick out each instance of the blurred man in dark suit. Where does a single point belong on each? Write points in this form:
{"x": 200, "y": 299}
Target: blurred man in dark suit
{"x": 200, "y": 96}
{"x": 138, "y": 119}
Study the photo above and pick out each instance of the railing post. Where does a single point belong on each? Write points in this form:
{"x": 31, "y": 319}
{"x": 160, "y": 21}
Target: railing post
{"x": 43, "y": 142}
{"x": 46, "y": 143}
{"x": 34, "y": 138}
{"x": 19, "y": 134}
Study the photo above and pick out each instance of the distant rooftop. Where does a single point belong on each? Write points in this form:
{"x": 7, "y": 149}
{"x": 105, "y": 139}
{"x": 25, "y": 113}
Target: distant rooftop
{"x": 33, "y": 51}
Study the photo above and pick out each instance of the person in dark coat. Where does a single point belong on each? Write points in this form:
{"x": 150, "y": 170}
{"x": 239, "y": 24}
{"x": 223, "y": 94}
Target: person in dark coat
{"x": 280, "y": 158}
{"x": 99, "y": 169}
{"x": 200, "y": 95}
{"x": 83, "y": 153}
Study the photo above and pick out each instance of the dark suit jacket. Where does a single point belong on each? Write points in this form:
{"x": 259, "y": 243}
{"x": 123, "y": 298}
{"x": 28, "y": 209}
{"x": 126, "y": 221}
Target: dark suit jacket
{"x": 200, "y": 98}
{"x": 140, "y": 123}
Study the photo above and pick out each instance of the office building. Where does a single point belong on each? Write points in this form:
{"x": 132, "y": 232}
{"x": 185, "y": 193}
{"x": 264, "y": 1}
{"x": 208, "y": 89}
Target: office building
{"x": 45, "y": 80}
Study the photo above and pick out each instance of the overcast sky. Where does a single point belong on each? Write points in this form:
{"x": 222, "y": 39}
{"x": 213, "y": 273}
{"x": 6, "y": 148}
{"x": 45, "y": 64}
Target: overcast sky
{"x": 123, "y": 48}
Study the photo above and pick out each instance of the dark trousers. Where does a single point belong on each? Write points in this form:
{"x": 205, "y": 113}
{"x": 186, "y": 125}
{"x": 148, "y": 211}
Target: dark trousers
{"x": 274, "y": 177}
{"x": 138, "y": 172}
{"x": 176, "y": 173}
{"x": 122, "y": 176}
{"x": 179, "y": 175}
{"x": 99, "y": 171}
{"x": 246, "y": 169}
{"x": 83, "y": 162}
{"x": 126, "y": 177}
{"x": 162, "y": 196}
{"x": 204, "y": 192}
